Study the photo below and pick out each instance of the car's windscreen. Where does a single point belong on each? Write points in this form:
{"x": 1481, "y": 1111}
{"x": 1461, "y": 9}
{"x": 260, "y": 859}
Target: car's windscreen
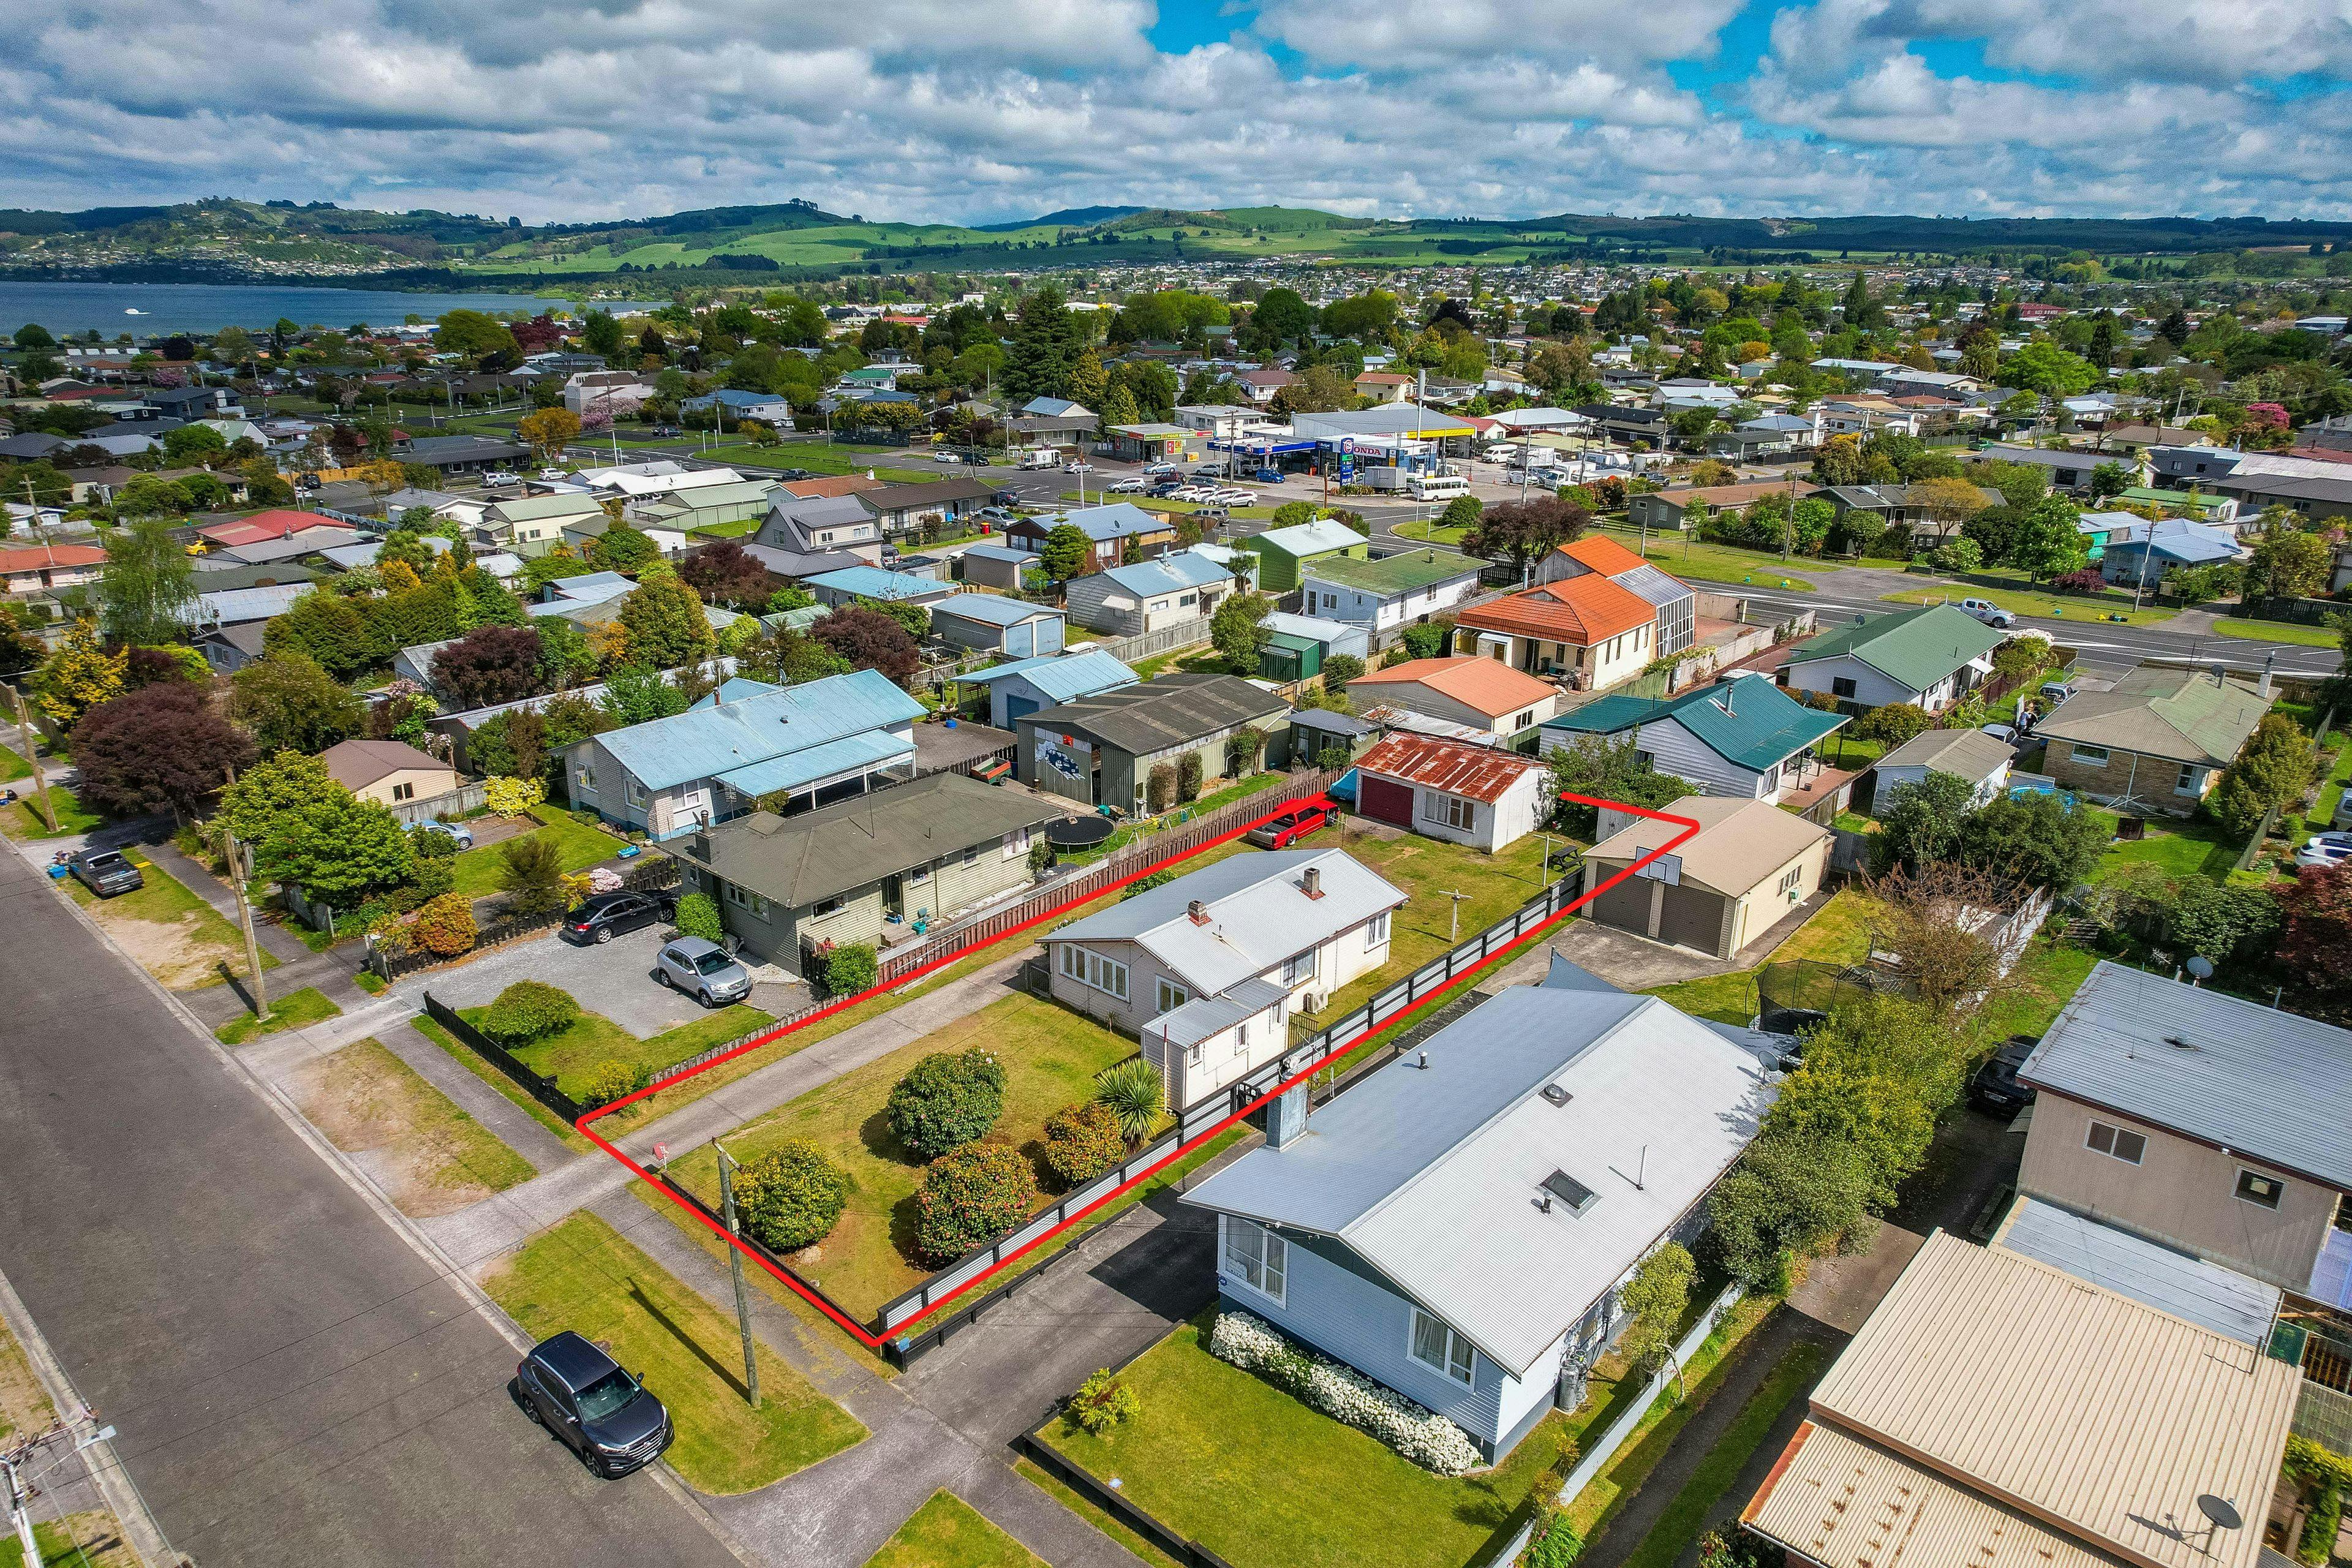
{"x": 712, "y": 962}
{"x": 105, "y": 862}
{"x": 606, "y": 1394}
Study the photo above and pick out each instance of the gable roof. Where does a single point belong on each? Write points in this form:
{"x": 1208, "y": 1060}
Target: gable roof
{"x": 1309, "y": 538}
{"x": 1392, "y": 576}
{"x": 1479, "y": 772}
{"x": 1168, "y": 574}
{"x": 274, "y": 524}
{"x": 2270, "y": 1085}
{"x": 1915, "y": 649}
{"x": 874, "y": 582}
{"x": 1118, "y": 521}
{"x": 2176, "y": 539}
{"x": 2180, "y": 715}
{"x": 994, "y": 609}
{"x": 1431, "y": 1177}
{"x": 34, "y": 557}
{"x": 1740, "y": 842}
{"x": 829, "y": 486}
{"x": 1742, "y": 720}
{"x": 1064, "y": 677}
{"x": 355, "y": 764}
{"x": 1488, "y": 684}
{"x": 925, "y": 492}
{"x": 1258, "y": 914}
{"x": 1581, "y": 611}
{"x": 718, "y": 742}
{"x": 1970, "y": 754}
{"x": 1598, "y": 552}
{"x": 1158, "y": 714}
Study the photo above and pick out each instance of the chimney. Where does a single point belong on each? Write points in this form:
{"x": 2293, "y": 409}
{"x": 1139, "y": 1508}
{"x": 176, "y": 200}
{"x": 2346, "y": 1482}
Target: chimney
{"x": 1312, "y": 882}
{"x": 1199, "y": 912}
{"x": 1286, "y": 1117}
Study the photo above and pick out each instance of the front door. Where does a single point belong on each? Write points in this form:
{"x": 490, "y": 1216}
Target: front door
{"x": 894, "y": 896}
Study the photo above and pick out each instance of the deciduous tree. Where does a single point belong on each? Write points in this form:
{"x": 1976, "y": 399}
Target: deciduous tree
{"x": 489, "y": 665}
{"x": 870, "y": 639}
{"x": 291, "y": 704}
{"x": 160, "y": 748}
{"x": 146, "y": 590}
{"x": 1524, "y": 532}
{"x": 664, "y": 622}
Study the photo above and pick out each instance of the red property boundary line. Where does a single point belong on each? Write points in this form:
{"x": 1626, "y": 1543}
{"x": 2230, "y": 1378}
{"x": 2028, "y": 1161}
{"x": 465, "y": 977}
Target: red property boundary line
{"x": 876, "y": 1343}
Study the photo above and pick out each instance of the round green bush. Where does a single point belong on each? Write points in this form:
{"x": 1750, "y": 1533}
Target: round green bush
{"x": 698, "y": 915}
{"x": 790, "y": 1198}
{"x": 849, "y": 970}
{"x": 1082, "y": 1142}
{"x": 607, "y": 1082}
{"x": 528, "y": 1010}
{"x": 946, "y": 1100}
{"x": 970, "y": 1197}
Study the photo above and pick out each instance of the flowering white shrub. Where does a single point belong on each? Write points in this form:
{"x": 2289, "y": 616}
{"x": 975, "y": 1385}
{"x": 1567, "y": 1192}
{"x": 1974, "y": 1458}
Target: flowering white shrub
{"x": 1427, "y": 1438}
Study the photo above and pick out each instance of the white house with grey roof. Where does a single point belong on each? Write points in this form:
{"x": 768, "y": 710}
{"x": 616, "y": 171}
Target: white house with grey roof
{"x": 1205, "y": 969}
{"x": 1457, "y": 1226}
{"x": 1128, "y": 601}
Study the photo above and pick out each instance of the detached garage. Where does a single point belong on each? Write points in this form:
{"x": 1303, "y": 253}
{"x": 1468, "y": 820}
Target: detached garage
{"x": 1443, "y": 789}
{"x": 1750, "y": 864}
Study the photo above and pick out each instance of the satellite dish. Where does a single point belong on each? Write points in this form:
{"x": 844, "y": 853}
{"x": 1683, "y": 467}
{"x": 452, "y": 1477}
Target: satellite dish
{"x": 2220, "y": 1511}
{"x": 2202, "y": 968}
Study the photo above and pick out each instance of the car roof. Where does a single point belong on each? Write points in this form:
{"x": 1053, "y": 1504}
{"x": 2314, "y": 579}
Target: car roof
{"x": 602, "y": 900}
{"x": 695, "y": 946}
{"x": 573, "y": 1360}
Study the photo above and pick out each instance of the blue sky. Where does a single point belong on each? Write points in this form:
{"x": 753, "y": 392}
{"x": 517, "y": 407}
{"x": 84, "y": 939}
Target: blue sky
{"x": 981, "y": 111}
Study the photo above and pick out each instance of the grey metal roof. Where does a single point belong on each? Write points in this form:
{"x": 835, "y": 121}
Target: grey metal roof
{"x": 1431, "y": 1177}
{"x": 1970, "y": 754}
{"x": 1162, "y": 713}
{"x": 2269, "y": 1085}
{"x": 994, "y": 609}
{"x": 1198, "y": 1019}
{"x": 734, "y": 735}
{"x": 1565, "y": 977}
{"x": 1331, "y": 723}
{"x": 1168, "y": 574}
{"x": 231, "y": 606}
{"x": 292, "y": 546}
{"x": 2190, "y": 1288}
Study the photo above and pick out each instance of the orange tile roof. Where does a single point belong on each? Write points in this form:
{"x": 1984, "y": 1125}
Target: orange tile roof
{"x": 1578, "y": 610}
{"x": 33, "y": 558}
{"x": 1598, "y": 552}
{"x": 1488, "y": 684}
{"x": 831, "y": 486}
{"x": 1478, "y": 771}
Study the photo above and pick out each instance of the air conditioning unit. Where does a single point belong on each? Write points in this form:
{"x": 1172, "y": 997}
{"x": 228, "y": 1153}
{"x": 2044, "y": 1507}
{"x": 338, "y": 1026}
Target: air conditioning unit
{"x": 1312, "y": 1001}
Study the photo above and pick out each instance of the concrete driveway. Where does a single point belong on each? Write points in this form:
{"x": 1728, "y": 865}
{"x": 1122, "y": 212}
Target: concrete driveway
{"x": 614, "y": 980}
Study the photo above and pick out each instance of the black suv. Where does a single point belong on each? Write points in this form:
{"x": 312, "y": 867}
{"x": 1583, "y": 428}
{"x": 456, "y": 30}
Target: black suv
{"x": 1995, "y": 1089}
{"x": 583, "y": 1396}
{"x": 605, "y": 916}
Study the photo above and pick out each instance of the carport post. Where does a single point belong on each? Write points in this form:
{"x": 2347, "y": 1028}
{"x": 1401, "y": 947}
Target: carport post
{"x": 735, "y": 1265}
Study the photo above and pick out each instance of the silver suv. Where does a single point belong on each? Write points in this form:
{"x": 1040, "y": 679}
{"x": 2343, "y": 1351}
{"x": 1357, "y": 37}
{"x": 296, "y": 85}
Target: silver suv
{"x": 702, "y": 970}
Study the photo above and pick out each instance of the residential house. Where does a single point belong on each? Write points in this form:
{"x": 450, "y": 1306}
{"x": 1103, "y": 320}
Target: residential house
{"x": 581, "y": 533}
{"x": 1498, "y": 705}
{"x": 823, "y": 740}
{"x": 1219, "y": 422}
{"x": 851, "y": 583}
{"x": 1457, "y": 1226}
{"x": 1883, "y": 506}
{"x": 728, "y": 403}
{"x": 801, "y": 538}
{"x": 1666, "y": 508}
{"x": 1296, "y": 646}
{"x": 2218, "y": 512}
{"x": 2068, "y": 469}
{"x": 2212, "y": 1125}
{"x": 1128, "y": 601}
{"x": 931, "y": 506}
{"x": 309, "y": 543}
{"x": 463, "y": 454}
{"x": 2002, "y": 1412}
{"x": 1383, "y": 386}
{"x": 1596, "y": 554}
{"x": 993, "y": 624}
{"x": 1587, "y": 630}
{"x": 1260, "y": 385}
{"x": 1057, "y": 408}
{"x": 1447, "y": 790}
{"x": 1100, "y": 750}
{"x": 256, "y": 527}
{"x": 1741, "y": 738}
{"x": 2316, "y": 496}
{"x": 1204, "y": 970}
{"x": 619, "y": 393}
{"x": 828, "y": 485}
{"x": 2156, "y": 743}
{"x": 1389, "y": 594}
{"x": 1282, "y": 552}
{"x": 1929, "y": 658}
{"x": 2138, "y": 554}
{"x": 1749, "y": 865}
{"x": 1627, "y": 423}
{"x": 870, "y": 870}
{"x": 1975, "y": 758}
{"x": 43, "y": 568}
{"x": 1026, "y": 685}
{"x": 532, "y": 525}
{"x": 389, "y": 771}
{"x": 1111, "y": 531}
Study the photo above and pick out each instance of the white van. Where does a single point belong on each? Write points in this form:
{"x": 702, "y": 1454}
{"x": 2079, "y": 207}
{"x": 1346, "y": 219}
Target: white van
{"x": 1436, "y": 487}
{"x": 1043, "y": 457}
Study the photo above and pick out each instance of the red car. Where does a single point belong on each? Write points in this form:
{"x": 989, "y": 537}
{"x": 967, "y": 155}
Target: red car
{"x": 1282, "y": 832}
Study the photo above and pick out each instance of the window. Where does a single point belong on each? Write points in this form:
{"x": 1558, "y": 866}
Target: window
{"x": 919, "y": 876}
{"x": 2091, "y": 756}
{"x": 2192, "y": 778}
{"x": 1376, "y": 931}
{"x": 1523, "y": 721}
{"x": 1439, "y": 1348}
{"x": 1167, "y": 995}
{"x": 403, "y": 792}
{"x": 1241, "y": 1038}
{"x": 636, "y": 793}
{"x": 1842, "y": 686}
{"x": 971, "y": 856}
{"x": 1791, "y": 879}
{"x": 1256, "y": 1257}
{"x": 2115, "y": 1143}
{"x": 1451, "y": 811}
{"x": 1330, "y": 601}
{"x": 825, "y": 906}
{"x": 1092, "y": 969}
{"x": 2256, "y": 1188}
{"x": 1299, "y": 968}
{"x": 744, "y": 899}
{"x": 1188, "y": 598}
{"x": 583, "y": 779}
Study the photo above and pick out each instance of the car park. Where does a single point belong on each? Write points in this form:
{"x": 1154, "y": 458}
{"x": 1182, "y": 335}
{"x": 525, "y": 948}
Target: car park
{"x": 703, "y": 970}
{"x": 2326, "y": 849}
{"x": 593, "y": 1405}
{"x": 1988, "y": 612}
{"x": 106, "y": 872}
{"x": 1281, "y": 832}
{"x": 604, "y": 916}
{"x": 1995, "y": 1089}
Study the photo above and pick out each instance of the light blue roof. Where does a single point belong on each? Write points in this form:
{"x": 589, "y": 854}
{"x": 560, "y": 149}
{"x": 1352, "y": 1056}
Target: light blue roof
{"x": 850, "y": 754}
{"x": 1116, "y": 520}
{"x": 721, "y": 740}
{"x": 2175, "y": 539}
{"x": 1168, "y": 574}
{"x": 1064, "y": 677}
{"x": 734, "y": 689}
{"x": 2190, "y": 1288}
{"x": 229, "y": 607}
{"x": 993, "y": 608}
{"x": 589, "y": 587}
{"x": 872, "y": 583}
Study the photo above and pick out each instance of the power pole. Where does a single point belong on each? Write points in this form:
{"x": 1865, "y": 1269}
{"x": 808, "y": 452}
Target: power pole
{"x": 735, "y": 1265}
{"x": 1453, "y": 932}
{"x": 31, "y": 740}
{"x": 20, "y": 1512}
{"x": 233, "y": 853}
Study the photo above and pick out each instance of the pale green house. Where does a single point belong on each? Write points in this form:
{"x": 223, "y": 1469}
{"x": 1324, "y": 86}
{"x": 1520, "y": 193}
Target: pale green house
{"x": 1282, "y": 550}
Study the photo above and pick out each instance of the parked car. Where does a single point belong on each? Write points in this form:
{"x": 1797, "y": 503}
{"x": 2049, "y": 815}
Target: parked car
{"x": 1157, "y": 470}
{"x": 604, "y": 916}
{"x": 1234, "y": 497}
{"x": 1281, "y": 832}
{"x": 1268, "y": 476}
{"x": 666, "y": 432}
{"x": 500, "y": 477}
{"x": 1128, "y": 488}
{"x": 1988, "y": 612}
{"x": 947, "y": 455}
{"x": 550, "y": 473}
{"x": 2343, "y": 810}
{"x": 2326, "y": 849}
{"x": 998, "y": 513}
{"x": 791, "y": 475}
{"x": 593, "y": 1405}
{"x": 106, "y": 872}
{"x": 457, "y": 833}
{"x": 2056, "y": 692}
{"x": 703, "y": 970}
{"x": 1169, "y": 489}
{"x": 2006, "y": 733}
{"x": 1995, "y": 1089}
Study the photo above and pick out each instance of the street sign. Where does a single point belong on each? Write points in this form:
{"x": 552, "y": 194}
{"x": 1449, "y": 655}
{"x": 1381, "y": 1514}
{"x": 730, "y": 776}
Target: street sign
{"x": 1667, "y": 868}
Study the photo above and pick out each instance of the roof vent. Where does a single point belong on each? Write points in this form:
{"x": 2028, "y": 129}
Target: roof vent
{"x": 1570, "y": 1191}
{"x": 1199, "y": 911}
{"x": 2178, "y": 1044}
{"x": 1556, "y": 1094}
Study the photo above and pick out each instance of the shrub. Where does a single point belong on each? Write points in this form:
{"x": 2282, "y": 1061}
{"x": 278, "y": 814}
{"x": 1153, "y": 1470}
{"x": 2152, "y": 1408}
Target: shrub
{"x": 1145, "y": 884}
{"x": 1134, "y": 1095}
{"x": 1041, "y": 856}
{"x": 433, "y": 878}
{"x": 698, "y": 915}
{"x": 791, "y": 1197}
{"x": 850, "y": 968}
{"x": 1082, "y": 1142}
{"x": 431, "y": 841}
{"x": 530, "y": 872}
{"x": 1427, "y": 1438}
{"x": 946, "y": 1100}
{"x": 607, "y": 1082}
{"x": 1159, "y": 788}
{"x": 1101, "y": 1403}
{"x": 512, "y": 797}
{"x": 1895, "y": 723}
{"x": 970, "y": 1197}
{"x": 1959, "y": 555}
{"x": 1188, "y": 778}
{"x": 1554, "y": 1545}
{"x": 444, "y": 926}
{"x": 528, "y": 1010}
{"x": 1428, "y": 641}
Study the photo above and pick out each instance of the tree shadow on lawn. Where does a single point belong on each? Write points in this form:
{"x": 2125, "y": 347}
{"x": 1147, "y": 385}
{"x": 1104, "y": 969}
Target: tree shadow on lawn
{"x": 731, "y": 1378}
{"x": 879, "y": 1140}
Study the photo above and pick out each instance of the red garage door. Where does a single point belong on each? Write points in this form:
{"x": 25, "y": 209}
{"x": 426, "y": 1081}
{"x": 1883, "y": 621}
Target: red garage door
{"x": 1384, "y": 800}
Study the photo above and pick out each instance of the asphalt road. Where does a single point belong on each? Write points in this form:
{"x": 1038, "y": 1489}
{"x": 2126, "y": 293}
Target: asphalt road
{"x": 293, "y": 1383}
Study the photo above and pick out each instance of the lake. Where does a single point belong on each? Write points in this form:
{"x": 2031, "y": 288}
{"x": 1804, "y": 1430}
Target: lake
{"x": 166, "y": 308}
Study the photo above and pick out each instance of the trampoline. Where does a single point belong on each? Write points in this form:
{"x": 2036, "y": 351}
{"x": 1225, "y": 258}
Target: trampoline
{"x": 1079, "y": 832}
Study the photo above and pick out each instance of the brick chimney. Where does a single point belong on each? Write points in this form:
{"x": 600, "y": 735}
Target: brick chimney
{"x": 1311, "y": 882}
{"x": 1199, "y": 912}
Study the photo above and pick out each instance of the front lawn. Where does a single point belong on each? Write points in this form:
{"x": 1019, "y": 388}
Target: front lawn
{"x": 573, "y": 1055}
{"x": 582, "y": 846}
{"x": 2014, "y": 593}
{"x": 23, "y": 819}
{"x": 582, "y": 1275}
{"x": 302, "y": 1008}
{"x": 1050, "y": 1055}
{"x": 431, "y": 1157}
{"x": 1231, "y": 1461}
{"x": 171, "y": 933}
{"x": 947, "y": 1532}
{"x": 2275, "y": 631}
{"x": 13, "y": 767}
{"x": 1704, "y": 563}
{"x": 473, "y": 1063}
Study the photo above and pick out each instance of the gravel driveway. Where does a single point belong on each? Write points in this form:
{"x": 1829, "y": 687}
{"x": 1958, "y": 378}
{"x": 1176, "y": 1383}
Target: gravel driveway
{"x": 615, "y": 980}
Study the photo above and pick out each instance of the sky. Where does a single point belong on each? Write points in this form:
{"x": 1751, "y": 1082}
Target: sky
{"x": 989, "y": 111}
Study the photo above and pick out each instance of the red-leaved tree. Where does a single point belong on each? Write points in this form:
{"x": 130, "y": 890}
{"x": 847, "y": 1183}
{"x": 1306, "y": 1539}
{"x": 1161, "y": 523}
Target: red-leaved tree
{"x": 726, "y": 574}
{"x": 870, "y": 639}
{"x": 160, "y": 747}
{"x": 489, "y": 665}
{"x": 2316, "y": 942}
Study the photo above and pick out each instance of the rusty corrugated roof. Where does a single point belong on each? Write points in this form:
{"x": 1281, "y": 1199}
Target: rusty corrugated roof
{"x": 1479, "y": 772}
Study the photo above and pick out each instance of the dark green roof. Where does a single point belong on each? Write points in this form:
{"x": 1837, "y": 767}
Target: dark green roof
{"x": 1744, "y": 720}
{"x": 1915, "y": 648}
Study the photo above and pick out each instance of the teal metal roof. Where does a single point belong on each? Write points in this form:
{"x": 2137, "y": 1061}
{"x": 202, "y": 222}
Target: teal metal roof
{"x": 713, "y": 743}
{"x": 1064, "y": 678}
{"x": 1744, "y": 720}
{"x": 1916, "y": 648}
{"x": 798, "y": 770}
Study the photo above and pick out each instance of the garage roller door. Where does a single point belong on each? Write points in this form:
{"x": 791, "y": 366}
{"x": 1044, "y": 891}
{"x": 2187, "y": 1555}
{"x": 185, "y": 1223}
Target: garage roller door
{"x": 1384, "y": 800}
{"x": 1692, "y": 917}
{"x": 1626, "y": 906}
